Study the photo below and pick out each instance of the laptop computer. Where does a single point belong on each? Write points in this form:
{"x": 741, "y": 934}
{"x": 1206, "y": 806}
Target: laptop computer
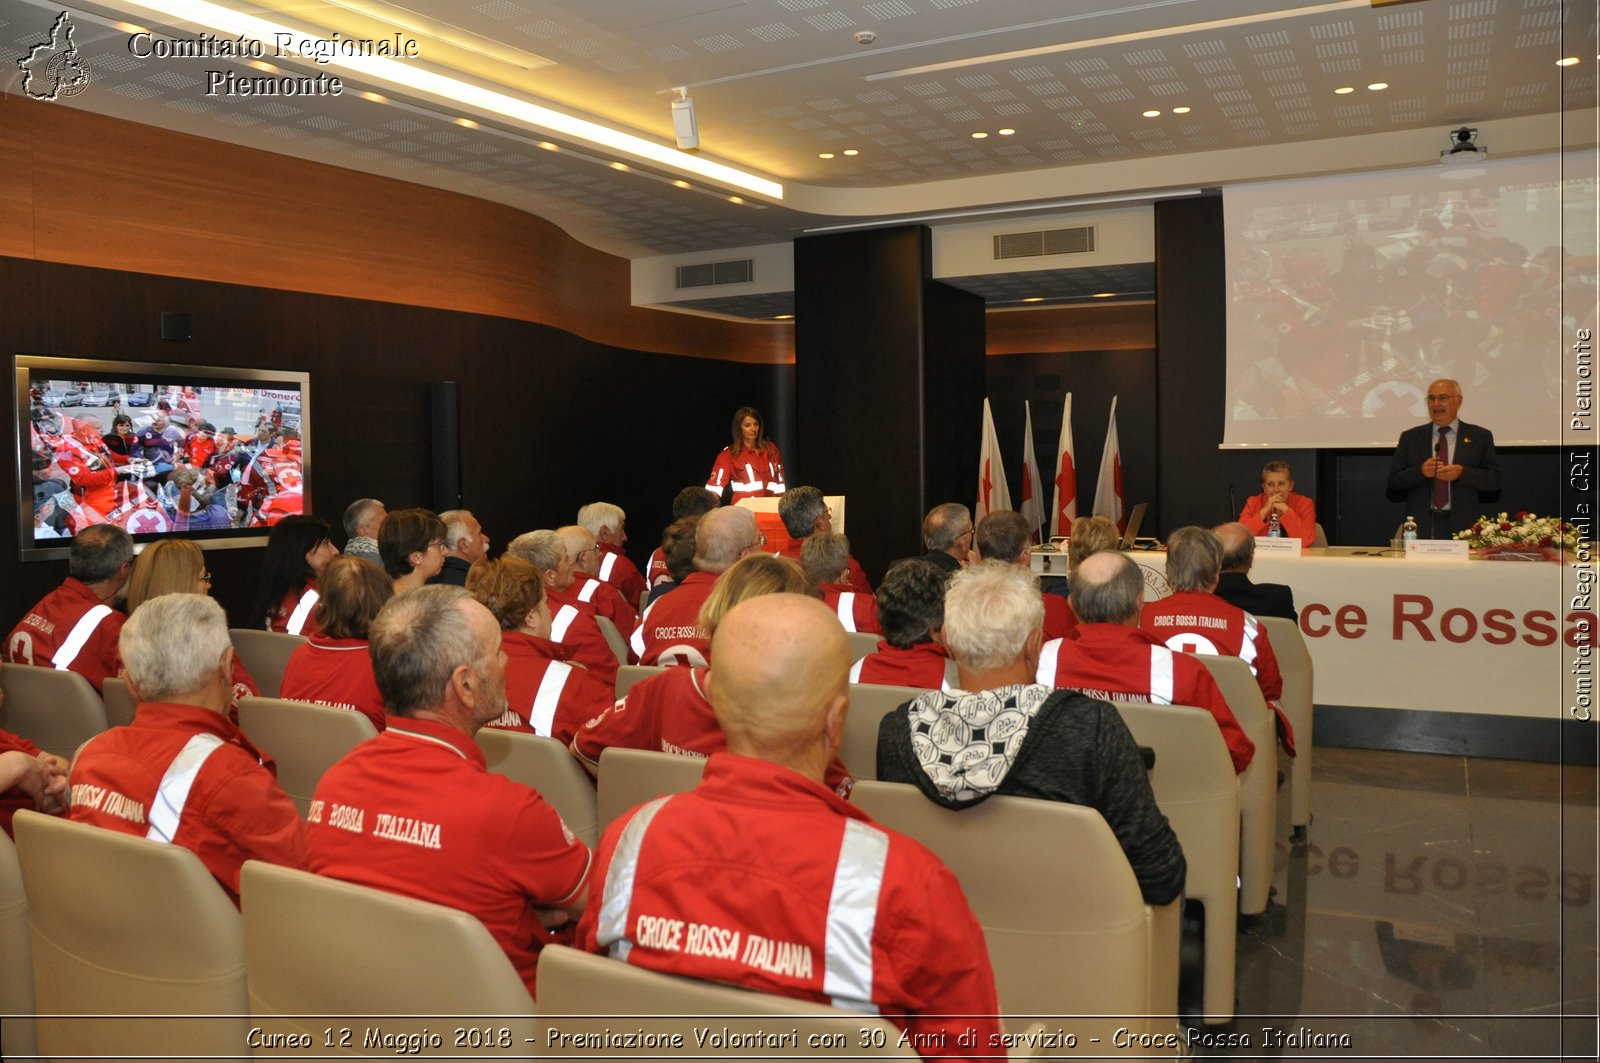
{"x": 1135, "y": 519}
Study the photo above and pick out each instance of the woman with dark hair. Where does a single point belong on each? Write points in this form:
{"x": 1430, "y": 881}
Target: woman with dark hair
{"x": 751, "y": 464}
{"x": 298, "y": 548}
{"x": 334, "y": 667}
{"x": 544, "y": 694}
{"x": 411, "y": 544}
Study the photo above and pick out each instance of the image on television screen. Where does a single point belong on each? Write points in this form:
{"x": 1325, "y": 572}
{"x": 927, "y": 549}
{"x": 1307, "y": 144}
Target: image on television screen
{"x": 173, "y": 453}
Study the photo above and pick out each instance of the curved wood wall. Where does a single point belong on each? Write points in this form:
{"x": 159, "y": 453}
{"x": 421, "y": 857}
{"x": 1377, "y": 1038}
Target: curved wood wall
{"x": 88, "y": 190}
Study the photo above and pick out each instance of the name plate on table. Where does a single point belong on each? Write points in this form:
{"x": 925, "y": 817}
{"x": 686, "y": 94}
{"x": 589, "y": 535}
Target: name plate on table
{"x": 1283, "y": 545}
{"x": 1438, "y": 549}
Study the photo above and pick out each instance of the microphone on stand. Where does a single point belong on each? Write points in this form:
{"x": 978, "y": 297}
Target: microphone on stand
{"x": 1233, "y": 504}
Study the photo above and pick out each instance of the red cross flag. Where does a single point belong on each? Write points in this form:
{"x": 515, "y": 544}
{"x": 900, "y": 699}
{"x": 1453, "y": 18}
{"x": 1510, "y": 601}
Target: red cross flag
{"x": 1032, "y": 507}
{"x": 1066, "y": 507}
{"x": 1109, "y": 500}
{"x": 993, "y": 494}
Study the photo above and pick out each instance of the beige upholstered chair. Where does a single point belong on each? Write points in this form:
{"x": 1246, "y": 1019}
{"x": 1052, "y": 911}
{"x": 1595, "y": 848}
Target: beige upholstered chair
{"x": 324, "y": 953}
{"x": 1198, "y": 792}
{"x": 869, "y": 704}
{"x": 1320, "y": 538}
{"x": 1258, "y": 786}
{"x": 1068, "y": 932}
{"x": 614, "y": 639}
{"x": 123, "y": 926}
{"x": 17, "y": 1036}
{"x": 630, "y": 777}
{"x": 629, "y": 674}
{"x": 549, "y": 767}
{"x": 265, "y": 654}
{"x": 303, "y": 738}
{"x": 577, "y": 990}
{"x": 1299, "y": 700}
{"x": 862, "y": 643}
{"x": 57, "y": 711}
{"x": 119, "y": 701}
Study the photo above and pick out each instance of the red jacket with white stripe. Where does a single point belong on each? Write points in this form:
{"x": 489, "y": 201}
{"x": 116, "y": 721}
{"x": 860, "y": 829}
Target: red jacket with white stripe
{"x": 1197, "y": 622}
{"x": 295, "y": 615}
{"x": 1121, "y": 663}
{"x": 670, "y": 632}
{"x": 544, "y": 694}
{"x": 336, "y": 672}
{"x": 856, "y": 611}
{"x": 70, "y": 628}
{"x": 923, "y": 665}
{"x": 185, "y": 775}
{"x": 607, "y": 601}
{"x": 751, "y": 474}
{"x": 572, "y": 626}
{"x": 670, "y": 713}
{"x": 762, "y": 878}
{"x": 416, "y": 812}
{"x": 619, "y": 571}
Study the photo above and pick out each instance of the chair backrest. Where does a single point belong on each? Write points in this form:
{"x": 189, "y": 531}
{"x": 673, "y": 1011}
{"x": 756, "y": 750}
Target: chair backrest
{"x": 577, "y": 989}
{"x": 1198, "y": 792}
{"x": 1321, "y": 537}
{"x": 57, "y": 711}
{"x": 265, "y": 654}
{"x": 125, "y": 926}
{"x": 862, "y": 643}
{"x": 1299, "y": 700}
{"x": 629, "y": 674}
{"x": 1067, "y": 928}
{"x": 17, "y": 1036}
{"x": 614, "y": 639}
{"x": 869, "y": 704}
{"x": 119, "y": 702}
{"x": 630, "y": 777}
{"x": 321, "y": 950}
{"x": 1258, "y": 785}
{"x": 305, "y": 739}
{"x": 549, "y": 767}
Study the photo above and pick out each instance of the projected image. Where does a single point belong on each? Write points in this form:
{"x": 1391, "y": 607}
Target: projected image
{"x": 155, "y": 458}
{"x": 1347, "y": 295}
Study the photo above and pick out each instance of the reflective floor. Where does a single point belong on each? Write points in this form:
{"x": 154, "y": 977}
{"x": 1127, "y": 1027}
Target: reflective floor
{"x": 1445, "y": 908}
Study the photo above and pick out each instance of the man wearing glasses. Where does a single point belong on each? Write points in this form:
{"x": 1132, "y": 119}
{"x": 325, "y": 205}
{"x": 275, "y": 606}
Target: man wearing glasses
{"x": 1445, "y": 471}
{"x": 947, "y": 535}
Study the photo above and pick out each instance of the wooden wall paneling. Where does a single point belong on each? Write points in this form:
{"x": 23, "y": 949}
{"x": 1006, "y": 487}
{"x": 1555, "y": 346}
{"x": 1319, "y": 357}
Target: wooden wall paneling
{"x": 16, "y": 182}
{"x": 1093, "y": 327}
{"x": 131, "y": 197}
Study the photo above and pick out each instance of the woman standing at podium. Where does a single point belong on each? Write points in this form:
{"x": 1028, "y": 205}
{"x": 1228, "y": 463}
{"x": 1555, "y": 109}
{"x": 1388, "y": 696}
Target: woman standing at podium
{"x": 751, "y": 465}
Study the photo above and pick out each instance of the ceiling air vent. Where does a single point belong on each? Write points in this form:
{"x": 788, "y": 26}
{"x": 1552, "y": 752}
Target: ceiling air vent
{"x": 1044, "y": 242}
{"x": 705, "y": 274}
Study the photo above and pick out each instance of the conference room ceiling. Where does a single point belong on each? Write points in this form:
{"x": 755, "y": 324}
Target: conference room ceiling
{"x": 779, "y": 83}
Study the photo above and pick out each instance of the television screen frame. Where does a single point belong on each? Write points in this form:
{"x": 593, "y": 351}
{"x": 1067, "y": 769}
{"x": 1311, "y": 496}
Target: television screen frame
{"x": 185, "y": 389}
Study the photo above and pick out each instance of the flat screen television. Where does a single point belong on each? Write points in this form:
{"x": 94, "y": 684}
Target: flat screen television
{"x": 199, "y": 452}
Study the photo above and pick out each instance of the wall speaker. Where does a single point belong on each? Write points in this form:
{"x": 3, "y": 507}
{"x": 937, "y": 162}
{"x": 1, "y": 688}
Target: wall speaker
{"x": 175, "y": 326}
{"x": 445, "y": 401}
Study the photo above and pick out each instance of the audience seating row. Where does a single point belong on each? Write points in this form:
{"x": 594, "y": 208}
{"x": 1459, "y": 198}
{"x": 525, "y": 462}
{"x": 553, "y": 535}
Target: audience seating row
{"x": 310, "y": 962}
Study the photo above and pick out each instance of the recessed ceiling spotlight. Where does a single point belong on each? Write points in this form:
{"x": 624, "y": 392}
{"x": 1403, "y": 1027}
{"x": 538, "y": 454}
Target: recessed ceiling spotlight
{"x": 1104, "y": 295}
{"x": 1180, "y": 110}
{"x": 373, "y": 96}
{"x": 735, "y": 199}
{"x": 1378, "y": 86}
{"x": 1034, "y": 299}
{"x": 1570, "y": 60}
{"x": 979, "y": 135}
{"x": 825, "y": 155}
{"x": 682, "y": 184}
{"x": 466, "y": 123}
{"x": 1006, "y": 132}
{"x": 851, "y": 151}
{"x": 1152, "y": 114}
{"x": 619, "y": 166}
{"x": 266, "y": 68}
{"x": 1344, "y": 91}
{"x": 547, "y": 146}
{"x": 784, "y": 317}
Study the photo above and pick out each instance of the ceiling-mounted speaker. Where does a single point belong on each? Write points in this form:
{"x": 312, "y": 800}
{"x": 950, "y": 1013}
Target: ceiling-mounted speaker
{"x": 684, "y": 126}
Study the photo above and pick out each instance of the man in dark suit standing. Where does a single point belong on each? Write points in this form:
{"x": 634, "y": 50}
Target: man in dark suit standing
{"x": 1444, "y": 470}
{"x": 1235, "y": 587}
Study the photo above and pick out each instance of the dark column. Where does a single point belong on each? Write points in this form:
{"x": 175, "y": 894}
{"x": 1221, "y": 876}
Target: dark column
{"x": 889, "y": 380}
